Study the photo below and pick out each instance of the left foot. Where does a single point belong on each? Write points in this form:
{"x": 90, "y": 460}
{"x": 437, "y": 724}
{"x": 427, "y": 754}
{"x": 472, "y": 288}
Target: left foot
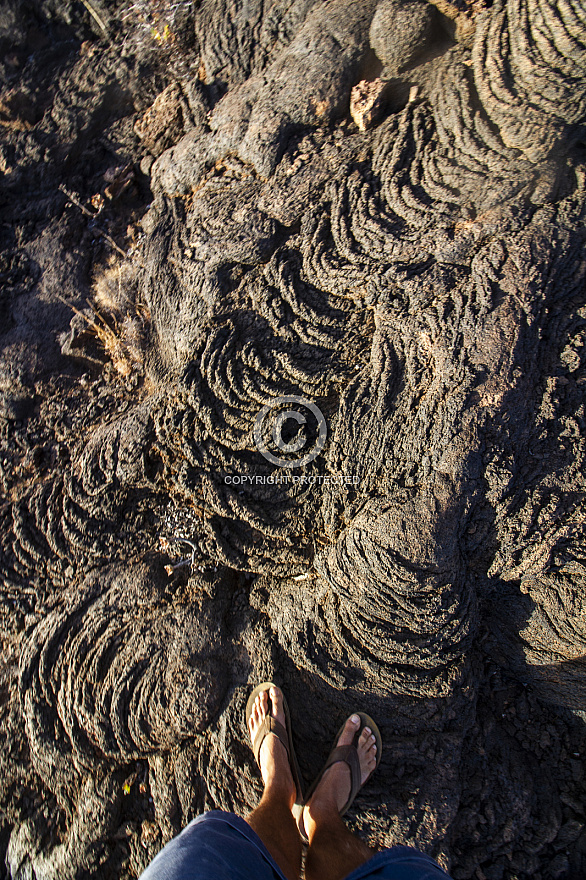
{"x": 273, "y": 758}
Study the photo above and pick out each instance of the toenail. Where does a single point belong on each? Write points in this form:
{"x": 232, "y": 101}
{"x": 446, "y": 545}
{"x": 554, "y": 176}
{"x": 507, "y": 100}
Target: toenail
{"x": 367, "y": 730}
{"x": 355, "y": 719}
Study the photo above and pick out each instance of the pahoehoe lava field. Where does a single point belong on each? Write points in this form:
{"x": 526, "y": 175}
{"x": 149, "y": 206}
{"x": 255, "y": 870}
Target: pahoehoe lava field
{"x": 376, "y": 206}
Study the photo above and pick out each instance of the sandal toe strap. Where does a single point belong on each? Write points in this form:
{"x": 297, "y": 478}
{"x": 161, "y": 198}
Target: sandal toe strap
{"x": 269, "y": 725}
{"x": 349, "y": 755}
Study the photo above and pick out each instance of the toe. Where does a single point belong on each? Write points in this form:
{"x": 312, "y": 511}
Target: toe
{"x": 349, "y": 732}
{"x": 258, "y": 712}
{"x": 365, "y": 738}
{"x": 277, "y": 701}
{"x": 263, "y": 699}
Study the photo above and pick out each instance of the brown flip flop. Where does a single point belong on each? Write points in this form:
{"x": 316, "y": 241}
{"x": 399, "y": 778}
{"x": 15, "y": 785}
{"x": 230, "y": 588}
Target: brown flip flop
{"x": 349, "y": 755}
{"x": 283, "y": 734}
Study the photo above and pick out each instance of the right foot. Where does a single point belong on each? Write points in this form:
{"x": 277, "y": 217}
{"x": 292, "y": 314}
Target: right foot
{"x": 334, "y": 787}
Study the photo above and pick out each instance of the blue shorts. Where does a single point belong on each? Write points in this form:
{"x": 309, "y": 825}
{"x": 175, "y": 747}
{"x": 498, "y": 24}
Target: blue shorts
{"x": 222, "y": 846}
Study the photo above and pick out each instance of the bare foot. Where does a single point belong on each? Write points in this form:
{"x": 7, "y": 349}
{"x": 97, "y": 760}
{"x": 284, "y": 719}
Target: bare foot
{"x": 273, "y": 758}
{"x": 334, "y": 787}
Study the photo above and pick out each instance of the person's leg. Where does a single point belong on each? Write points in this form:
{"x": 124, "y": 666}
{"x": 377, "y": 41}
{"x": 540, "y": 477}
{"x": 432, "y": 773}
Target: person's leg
{"x": 272, "y": 820}
{"x": 334, "y": 852}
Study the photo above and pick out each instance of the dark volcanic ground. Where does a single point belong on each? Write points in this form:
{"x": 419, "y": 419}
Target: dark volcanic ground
{"x": 378, "y": 206}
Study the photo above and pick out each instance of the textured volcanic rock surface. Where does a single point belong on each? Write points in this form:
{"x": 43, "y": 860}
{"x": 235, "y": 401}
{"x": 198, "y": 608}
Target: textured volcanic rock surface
{"x": 194, "y": 224}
